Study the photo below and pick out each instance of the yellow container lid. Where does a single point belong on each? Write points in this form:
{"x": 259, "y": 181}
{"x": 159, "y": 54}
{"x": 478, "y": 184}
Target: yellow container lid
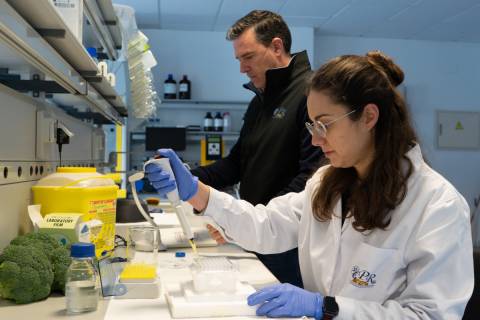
{"x": 76, "y": 170}
{"x": 117, "y": 177}
{"x": 77, "y": 177}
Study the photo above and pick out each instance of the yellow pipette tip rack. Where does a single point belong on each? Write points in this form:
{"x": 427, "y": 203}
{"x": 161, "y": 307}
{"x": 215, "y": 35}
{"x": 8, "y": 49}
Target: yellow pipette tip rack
{"x": 138, "y": 272}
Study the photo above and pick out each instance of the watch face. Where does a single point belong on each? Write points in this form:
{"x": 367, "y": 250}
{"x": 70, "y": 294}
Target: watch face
{"x": 330, "y": 306}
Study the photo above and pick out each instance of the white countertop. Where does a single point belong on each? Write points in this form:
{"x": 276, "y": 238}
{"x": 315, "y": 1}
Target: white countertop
{"x": 250, "y": 269}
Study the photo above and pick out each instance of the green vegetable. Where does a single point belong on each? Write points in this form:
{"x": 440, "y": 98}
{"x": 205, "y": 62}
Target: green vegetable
{"x": 60, "y": 262}
{"x": 58, "y": 255}
{"x": 40, "y": 240}
{"x": 20, "y": 280}
{"x": 26, "y": 274}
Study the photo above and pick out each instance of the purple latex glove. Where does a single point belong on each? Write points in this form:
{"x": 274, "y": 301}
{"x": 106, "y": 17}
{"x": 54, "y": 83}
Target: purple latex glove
{"x": 164, "y": 183}
{"x": 286, "y": 300}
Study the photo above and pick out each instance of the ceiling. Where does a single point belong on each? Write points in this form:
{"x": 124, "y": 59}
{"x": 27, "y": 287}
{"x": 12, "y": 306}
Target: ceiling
{"x": 438, "y": 20}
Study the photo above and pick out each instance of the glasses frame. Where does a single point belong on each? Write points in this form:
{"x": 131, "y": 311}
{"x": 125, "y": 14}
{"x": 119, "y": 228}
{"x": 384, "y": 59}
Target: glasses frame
{"x": 320, "y": 128}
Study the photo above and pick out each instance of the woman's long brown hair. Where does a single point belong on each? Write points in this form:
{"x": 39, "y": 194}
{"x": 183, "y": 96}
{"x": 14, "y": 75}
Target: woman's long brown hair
{"x": 356, "y": 81}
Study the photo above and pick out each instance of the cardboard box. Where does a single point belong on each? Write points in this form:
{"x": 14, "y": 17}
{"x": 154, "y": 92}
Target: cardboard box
{"x": 67, "y": 228}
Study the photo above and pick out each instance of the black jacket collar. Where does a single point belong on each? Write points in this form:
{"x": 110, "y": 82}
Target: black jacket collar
{"x": 279, "y": 78}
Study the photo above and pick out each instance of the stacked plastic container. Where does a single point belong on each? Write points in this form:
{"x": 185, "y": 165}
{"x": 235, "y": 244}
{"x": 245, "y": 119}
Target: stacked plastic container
{"x": 140, "y": 62}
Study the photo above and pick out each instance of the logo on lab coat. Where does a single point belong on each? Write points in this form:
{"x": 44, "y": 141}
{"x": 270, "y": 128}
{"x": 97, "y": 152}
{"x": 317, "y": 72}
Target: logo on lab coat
{"x": 362, "y": 278}
{"x": 279, "y": 113}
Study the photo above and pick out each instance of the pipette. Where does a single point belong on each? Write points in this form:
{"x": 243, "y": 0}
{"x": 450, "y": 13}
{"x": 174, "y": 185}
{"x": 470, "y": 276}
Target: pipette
{"x": 174, "y": 198}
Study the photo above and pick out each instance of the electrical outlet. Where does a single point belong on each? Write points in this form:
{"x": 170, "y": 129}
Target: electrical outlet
{"x": 45, "y": 135}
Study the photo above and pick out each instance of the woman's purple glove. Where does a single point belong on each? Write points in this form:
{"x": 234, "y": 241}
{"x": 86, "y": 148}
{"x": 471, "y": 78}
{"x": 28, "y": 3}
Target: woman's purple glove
{"x": 163, "y": 182}
{"x": 286, "y": 300}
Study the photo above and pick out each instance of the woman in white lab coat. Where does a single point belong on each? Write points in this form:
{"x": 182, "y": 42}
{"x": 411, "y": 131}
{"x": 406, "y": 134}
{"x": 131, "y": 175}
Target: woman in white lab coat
{"x": 380, "y": 234}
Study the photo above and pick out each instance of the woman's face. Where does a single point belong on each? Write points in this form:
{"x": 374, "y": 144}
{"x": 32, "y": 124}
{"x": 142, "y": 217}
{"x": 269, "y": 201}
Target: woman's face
{"x": 347, "y": 143}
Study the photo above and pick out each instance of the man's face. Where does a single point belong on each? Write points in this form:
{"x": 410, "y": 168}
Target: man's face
{"x": 255, "y": 58}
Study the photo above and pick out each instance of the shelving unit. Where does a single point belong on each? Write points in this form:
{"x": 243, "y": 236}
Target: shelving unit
{"x": 24, "y": 40}
{"x": 104, "y": 22}
{"x": 35, "y": 31}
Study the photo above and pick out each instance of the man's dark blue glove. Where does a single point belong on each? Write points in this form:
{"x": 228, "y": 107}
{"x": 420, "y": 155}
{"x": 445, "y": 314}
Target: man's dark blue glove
{"x": 164, "y": 183}
{"x": 286, "y": 300}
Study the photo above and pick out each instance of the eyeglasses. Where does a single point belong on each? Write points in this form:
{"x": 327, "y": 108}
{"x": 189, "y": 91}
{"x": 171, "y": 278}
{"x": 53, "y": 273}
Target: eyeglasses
{"x": 319, "y": 128}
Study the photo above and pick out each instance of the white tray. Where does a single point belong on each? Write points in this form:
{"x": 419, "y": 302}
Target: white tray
{"x": 185, "y": 303}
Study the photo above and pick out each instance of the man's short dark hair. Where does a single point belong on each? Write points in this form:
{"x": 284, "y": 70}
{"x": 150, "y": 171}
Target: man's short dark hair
{"x": 267, "y": 25}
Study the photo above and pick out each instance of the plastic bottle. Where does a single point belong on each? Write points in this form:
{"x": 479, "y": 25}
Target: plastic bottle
{"x": 218, "y": 122}
{"x": 170, "y": 88}
{"x": 184, "y": 88}
{"x": 208, "y": 122}
{"x": 227, "y": 122}
{"x": 82, "y": 286}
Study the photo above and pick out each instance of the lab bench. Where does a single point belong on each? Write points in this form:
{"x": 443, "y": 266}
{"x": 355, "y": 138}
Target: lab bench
{"x": 250, "y": 270}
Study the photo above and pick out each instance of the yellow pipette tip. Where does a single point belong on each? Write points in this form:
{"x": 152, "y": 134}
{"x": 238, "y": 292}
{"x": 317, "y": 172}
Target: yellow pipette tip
{"x": 194, "y": 246}
{"x": 138, "y": 272}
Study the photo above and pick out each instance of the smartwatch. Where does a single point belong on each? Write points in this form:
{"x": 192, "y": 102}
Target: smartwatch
{"x": 330, "y": 308}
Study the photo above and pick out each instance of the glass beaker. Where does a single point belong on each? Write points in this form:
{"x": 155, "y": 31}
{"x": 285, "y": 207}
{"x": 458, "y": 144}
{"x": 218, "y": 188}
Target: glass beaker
{"x": 142, "y": 244}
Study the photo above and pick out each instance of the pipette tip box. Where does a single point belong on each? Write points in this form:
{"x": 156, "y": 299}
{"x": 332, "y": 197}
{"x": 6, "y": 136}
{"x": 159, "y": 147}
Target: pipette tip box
{"x": 139, "y": 281}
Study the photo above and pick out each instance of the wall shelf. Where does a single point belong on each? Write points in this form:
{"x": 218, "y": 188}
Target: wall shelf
{"x": 185, "y": 101}
{"x": 59, "y": 55}
{"x": 191, "y": 135}
{"x": 202, "y": 105}
{"x": 198, "y": 135}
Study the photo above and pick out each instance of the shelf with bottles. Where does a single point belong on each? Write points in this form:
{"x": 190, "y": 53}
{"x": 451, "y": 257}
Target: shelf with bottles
{"x": 191, "y": 135}
{"x": 168, "y": 104}
{"x": 35, "y": 35}
{"x": 199, "y": 135}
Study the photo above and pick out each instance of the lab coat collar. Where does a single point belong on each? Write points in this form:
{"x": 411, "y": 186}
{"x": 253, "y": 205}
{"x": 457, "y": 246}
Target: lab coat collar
{"x": 415, "y": 155}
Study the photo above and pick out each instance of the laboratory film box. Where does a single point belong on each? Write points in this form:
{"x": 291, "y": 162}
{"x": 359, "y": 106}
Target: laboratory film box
{"x": 67, "y": 228}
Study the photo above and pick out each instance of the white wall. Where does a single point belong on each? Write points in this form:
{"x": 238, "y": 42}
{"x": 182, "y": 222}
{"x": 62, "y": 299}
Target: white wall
{"x": 438, "y": 76}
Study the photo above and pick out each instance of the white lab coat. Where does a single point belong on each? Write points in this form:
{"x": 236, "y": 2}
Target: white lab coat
{"x": 421, "y": 267}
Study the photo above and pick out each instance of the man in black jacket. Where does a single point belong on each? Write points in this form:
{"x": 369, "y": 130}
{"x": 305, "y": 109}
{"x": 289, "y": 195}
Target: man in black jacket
{"x": 273, "y": 155}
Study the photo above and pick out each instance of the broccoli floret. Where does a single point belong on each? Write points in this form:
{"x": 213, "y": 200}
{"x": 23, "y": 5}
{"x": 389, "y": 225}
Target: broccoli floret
{"x": 25, "y": 274}
{"x": 40, "y": 240}
{"x": 57, "y": 254}
{"x": 60, "y": 261}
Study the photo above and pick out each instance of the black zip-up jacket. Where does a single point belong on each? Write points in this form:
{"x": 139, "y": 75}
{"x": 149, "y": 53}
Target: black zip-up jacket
{"x": 273, "y": 154}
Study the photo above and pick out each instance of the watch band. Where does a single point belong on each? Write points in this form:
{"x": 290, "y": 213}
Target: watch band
{"x": 330, "y": 308}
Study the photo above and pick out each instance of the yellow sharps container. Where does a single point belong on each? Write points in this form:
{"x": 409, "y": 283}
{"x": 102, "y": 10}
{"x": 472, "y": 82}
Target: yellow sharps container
{"x": 81, "y": 190}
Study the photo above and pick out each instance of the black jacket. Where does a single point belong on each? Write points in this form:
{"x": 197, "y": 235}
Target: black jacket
{"x": 273, "y": 154}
